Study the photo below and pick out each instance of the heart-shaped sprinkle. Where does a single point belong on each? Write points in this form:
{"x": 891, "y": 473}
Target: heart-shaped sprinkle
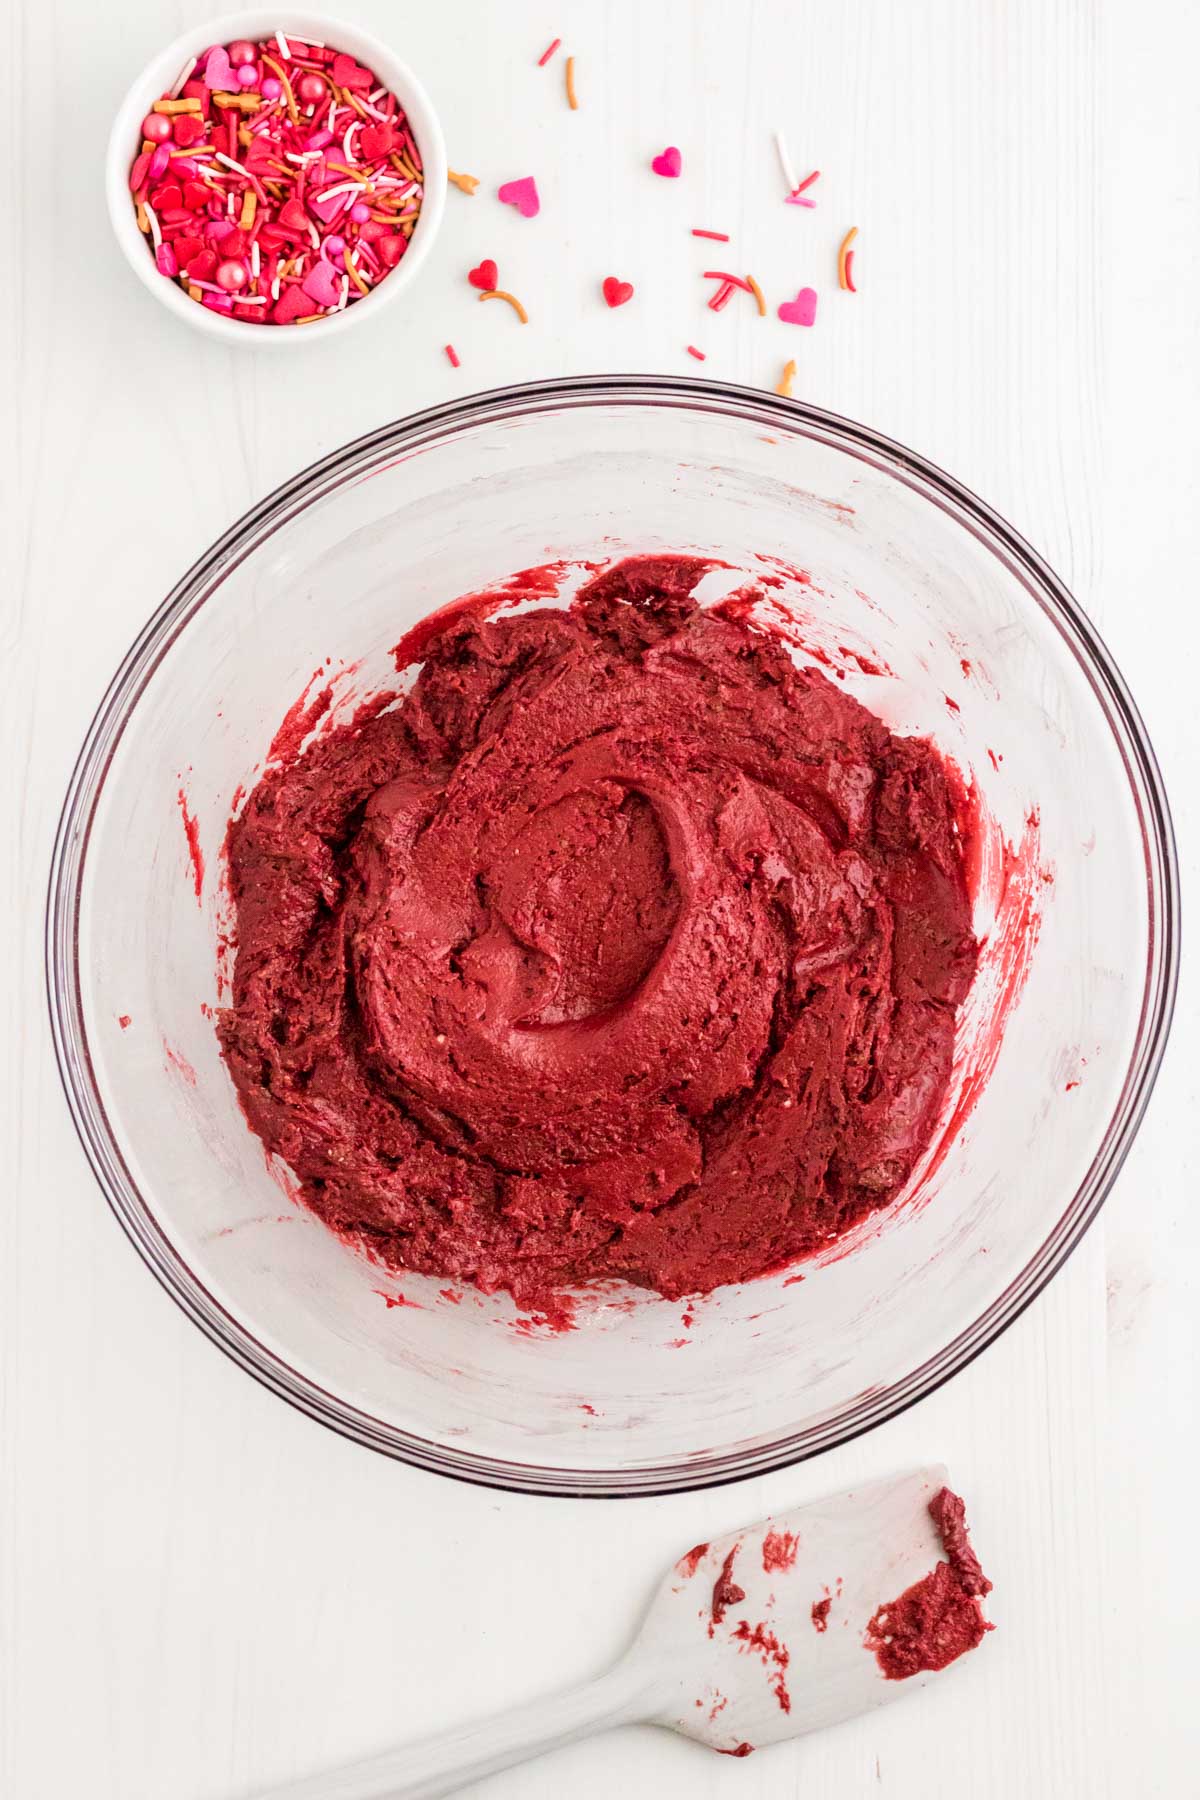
{"x": 293, "y": 303}
{"x": 523, "y": 195}
{"x": 187, "y": 129}
{"x": 485, "y": 276}
{"x": 328, "y": 207}
{"x": 617, "y": 292}
{"x": 347, "y": 73}
{"x": 391, "y": 249}
{"x": 218, "y": 70}
{"x": 293, "y": 218}
{"x": 322, "y": 284}
{"x": 802, "y": 310}
{"x": 668, "y": 162}
{"x": 202, "y": 267}
{"x": 375, "y": 142}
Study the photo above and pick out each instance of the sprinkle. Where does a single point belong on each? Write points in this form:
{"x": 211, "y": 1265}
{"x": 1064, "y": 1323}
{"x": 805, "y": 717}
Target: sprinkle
{"x": 785, "y": 162}
{"x": 572, "y": 98}
{"x": 698, "y": 354}
{"x": 285, "y": 48}
{"x": 548, "y": 52}
{"x": 353, "y": 273}
{"x": 806, "y": 183}
{"x": 784, "y": 384}
{"x": 845, "y": 261}
{"x": 722, "y": 296}
{"x": 452, "y": 353}
{"x": 720, "y": 275}
{"x": 758, "y": 295}
{"x": 718, "y": 237}
{"x": 499, "y": 294}
{"x": 466, "y": 184}
{"x": 155, "y": 232}
{"x": 170, "y": 107}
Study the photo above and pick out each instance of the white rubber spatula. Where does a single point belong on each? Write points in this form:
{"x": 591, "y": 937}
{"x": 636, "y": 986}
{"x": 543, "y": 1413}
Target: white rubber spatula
{"x": 730, "y": 1652}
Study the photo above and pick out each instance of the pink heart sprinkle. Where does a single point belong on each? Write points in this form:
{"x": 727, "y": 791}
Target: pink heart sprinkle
{"x": 670, "y": 162}
{"x": 322, "y": 285}
{"x": 218, "y": 70}
{"x": 802, "y": 310}
{"x": 523, "y": 195}
{"x": 328, "y": 207}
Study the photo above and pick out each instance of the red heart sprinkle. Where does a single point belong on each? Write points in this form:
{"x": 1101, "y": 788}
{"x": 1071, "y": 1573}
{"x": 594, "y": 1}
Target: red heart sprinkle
{"x": 375, "y": 141}
{"x": 186, "y": 248}
{"x": 293, "y": 303}
{"x": 203, "y": 267}
{"x": 195, "y": 196}
{"x": 197, "y": 90}
{"x": 391, "y": 249}
{"x": 293, "y": 218}
{"x": 617, "y": 292}
{"x": 485, "y": 276}
{"x": 234, "y": 243}
{"x": 347, "y": 74}
{"x": 187, "y": 128}
{"x": 167, "y": 193}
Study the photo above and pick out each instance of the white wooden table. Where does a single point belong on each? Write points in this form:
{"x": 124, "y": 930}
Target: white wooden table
{"x": 201, "y": 1590}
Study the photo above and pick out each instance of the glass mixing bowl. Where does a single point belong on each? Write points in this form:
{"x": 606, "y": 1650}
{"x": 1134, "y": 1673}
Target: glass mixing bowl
{"x": 902, "y": 586}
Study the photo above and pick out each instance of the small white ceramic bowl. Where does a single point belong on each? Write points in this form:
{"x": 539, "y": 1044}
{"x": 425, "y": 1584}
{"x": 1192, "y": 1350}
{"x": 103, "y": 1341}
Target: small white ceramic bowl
{"x": 161, "y": 73}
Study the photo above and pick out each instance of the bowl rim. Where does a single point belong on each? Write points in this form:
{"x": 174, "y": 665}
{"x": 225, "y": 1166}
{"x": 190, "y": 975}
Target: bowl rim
{"x": 254, "y": 23}
{"x": 65, "y": 999}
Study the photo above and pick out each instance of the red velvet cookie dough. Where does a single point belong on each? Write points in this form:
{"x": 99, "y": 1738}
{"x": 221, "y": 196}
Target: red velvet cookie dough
{"x": 940, "y": 1617}
{"x": 619, "y": 947}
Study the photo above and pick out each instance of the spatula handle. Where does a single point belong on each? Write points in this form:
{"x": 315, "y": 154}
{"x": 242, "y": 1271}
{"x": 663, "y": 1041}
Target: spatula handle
{"x": 443, "y": 1764}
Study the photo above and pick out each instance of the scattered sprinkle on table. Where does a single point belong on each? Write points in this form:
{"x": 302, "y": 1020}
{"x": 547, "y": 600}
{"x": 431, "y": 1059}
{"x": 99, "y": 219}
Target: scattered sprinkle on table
{"x": 499, "y": 294}
{"x": 572, "y": 97}
{"x": 760, "y": 298}
{"x": 784, "y": 384}
{"x": 615, "y": 292}
{"x": 485, "y": 275}
{"x": 718, "y": 237}
{"x": 698, "y": 354}
{"x": 466, "y": 184}
{"x": 522, "y": 194}
{"x": 802, "y": 310}
{"x": 668, "y": 162}
{"x": 846, "y": 262}
{"x": 785, "y": 163}
{"x": 722, "y": 296}
{"x": 452, "y": 353}
{"x": 548, "y": 52}
{"x": 278, "y": 181}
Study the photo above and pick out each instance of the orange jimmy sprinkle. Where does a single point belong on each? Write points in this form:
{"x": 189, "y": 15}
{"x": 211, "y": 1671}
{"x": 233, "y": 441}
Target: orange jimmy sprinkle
{"x": 845, "y": 278}
{"x": 572, "y": 98}
{"x": 758, "y": 295}
{"x": 784, "y": 384}
{"x": 499, "y": 294}
{"x": 353, "y": 273}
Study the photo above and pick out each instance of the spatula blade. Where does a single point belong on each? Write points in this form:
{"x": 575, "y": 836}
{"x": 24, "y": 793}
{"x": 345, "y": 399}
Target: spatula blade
{"x": 748, "y": 1660}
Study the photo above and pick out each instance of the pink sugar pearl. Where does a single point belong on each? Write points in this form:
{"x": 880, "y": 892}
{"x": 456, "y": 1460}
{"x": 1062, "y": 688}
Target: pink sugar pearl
{"x": 310, "y": 89}
{"x": 232, "y": 275}
{"x": 271, "y": 89}
{"x": 241, "y": 51}
{"x": 156, "y": 127}
{"x": 334, "y": 245}
{"x": 247, "y": 76}
{"x": 360, "y": 213}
